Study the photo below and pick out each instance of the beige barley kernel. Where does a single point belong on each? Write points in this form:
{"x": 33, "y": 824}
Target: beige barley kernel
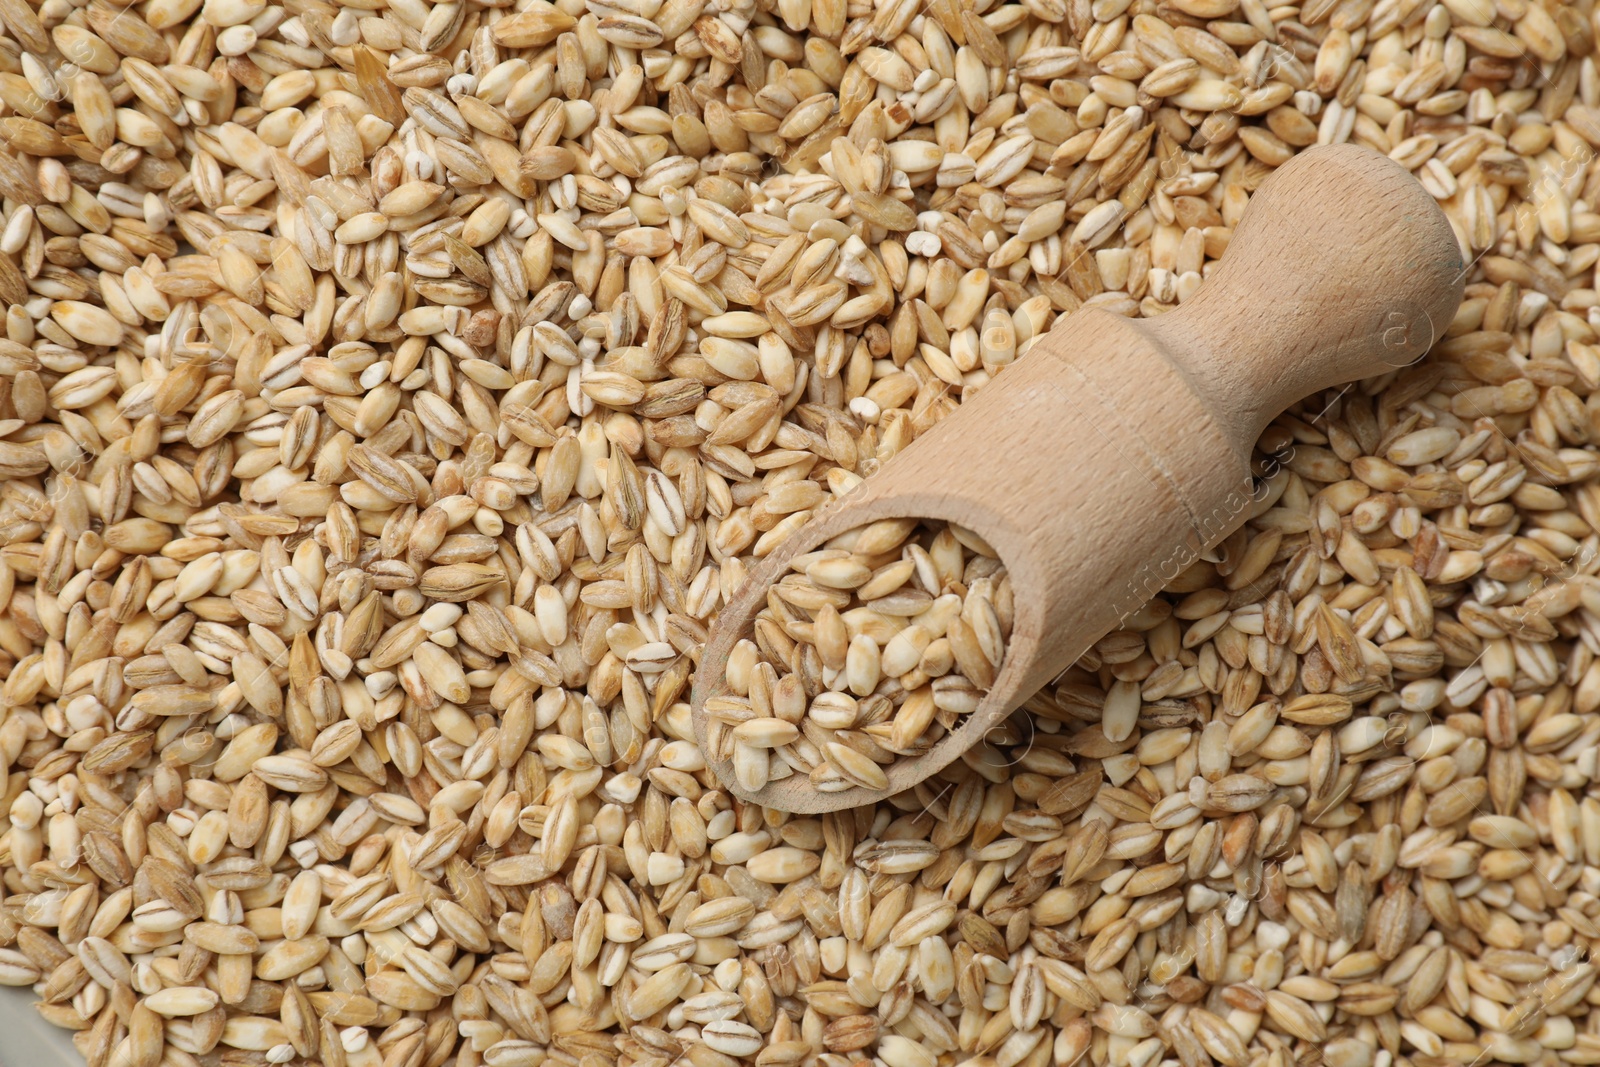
{"x": 502, "y": 342}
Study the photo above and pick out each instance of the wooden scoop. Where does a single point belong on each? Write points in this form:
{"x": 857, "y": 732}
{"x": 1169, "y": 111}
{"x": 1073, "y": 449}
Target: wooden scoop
{"x": 1111, "y": 455}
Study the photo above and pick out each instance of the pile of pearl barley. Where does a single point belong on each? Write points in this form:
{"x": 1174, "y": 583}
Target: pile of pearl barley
{"x": 392, "y": 393}
{"x": 877, "y": 644}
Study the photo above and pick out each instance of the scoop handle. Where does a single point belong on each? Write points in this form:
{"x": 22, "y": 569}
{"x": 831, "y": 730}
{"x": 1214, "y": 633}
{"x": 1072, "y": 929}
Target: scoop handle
{"x": 1343, "y": 267}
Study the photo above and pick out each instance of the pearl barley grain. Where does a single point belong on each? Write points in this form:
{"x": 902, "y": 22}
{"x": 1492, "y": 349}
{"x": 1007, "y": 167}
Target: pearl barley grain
{"x": 391, "y": 395}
